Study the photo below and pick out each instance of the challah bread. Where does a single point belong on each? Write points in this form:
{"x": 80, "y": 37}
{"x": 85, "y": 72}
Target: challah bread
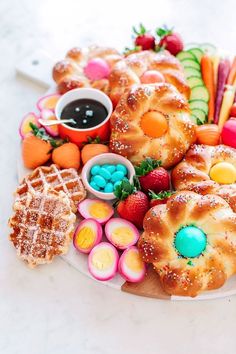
{"x": 152, "y": 120}
{"x": 69, "y": 73}
{"x": 204, "y": 167}
{"x": 191, "y": 242}
{"x": 129, "y": 71}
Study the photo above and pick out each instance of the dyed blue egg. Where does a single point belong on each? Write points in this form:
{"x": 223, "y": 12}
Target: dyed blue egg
{"x": 121, "y": 168}
{"x": 108, "y": 188}
{"x": 100, "y": 181}
{"x": 190, "y": 241}
{"x": 105, "y": 173}
{"x": 94, "y": 186}
{"x": 95, "y": 170}
{"x": 111, "y": 168}
{"x": 117, "y": 176}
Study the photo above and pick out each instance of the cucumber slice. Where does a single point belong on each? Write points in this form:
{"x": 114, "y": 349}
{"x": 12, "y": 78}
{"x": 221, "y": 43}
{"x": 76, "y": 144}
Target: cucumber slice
{"x": 195, "y": 119}
{"x": 199, "y": 104}
{"x": 194, "y": 81}
{"x": 190, "y": 45}
{"x": 200, "y": 115}
{"x": 208, "y": 48}
{"x": 185, "y": 55}
{"x": 190, "y": 63}
{"x": 191, "y": 72}
{"x": 197, "y": 52}
{"x": 199, "y": 93}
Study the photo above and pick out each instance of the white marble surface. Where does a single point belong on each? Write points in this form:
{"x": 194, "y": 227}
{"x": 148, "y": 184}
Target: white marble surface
{"x": 54, "y": 309}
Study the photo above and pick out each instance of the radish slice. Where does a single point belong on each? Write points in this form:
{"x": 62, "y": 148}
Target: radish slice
{"x": 103, "y": 261}
{"x": 121, "y": 233}
{"x": 25, "y": 128}
{"x": 96, "y": 209}
{"x": 131, "y": 266}
{"x": 87, "y": 235}
{"x": 47, "y": 114}
{"x": 48, "y": 102}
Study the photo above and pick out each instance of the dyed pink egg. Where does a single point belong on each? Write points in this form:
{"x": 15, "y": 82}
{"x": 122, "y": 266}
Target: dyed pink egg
{"x": 97, "y": 69}
{"x": 151, "y": 77}
{"x": 228, "y": 134}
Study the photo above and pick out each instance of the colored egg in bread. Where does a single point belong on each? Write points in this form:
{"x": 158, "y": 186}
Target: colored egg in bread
{"x": 223, "y": 173}
{"x": 190, "y": 241}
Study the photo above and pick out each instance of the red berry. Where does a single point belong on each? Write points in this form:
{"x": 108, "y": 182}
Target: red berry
{"x": 228, "y": 134}
{"x": 157, "y": 180}
{"x": 233, "y": 111}
{"x": 145, "y": 41}
{"x": 172, "y": 42}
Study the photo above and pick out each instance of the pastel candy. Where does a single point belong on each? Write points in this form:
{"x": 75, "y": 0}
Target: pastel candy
{"x": 105, "y": 173}
{"x": 100, "y": 181}
{"x": 94, "y": 186}
{"x": 117, "y": 176}
{"x": 108, "y": 188}
{"x": 121, "y": 168}
{"x": 95, "y": 170}
{"x": 111, "y": 168}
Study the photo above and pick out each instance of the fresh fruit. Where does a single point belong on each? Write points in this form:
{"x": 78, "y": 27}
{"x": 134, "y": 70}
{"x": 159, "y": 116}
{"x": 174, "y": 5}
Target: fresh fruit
{"x": 96, "y": 209}
{"x": 223, "y": 72}
{"x": 223, "y": 173}
{"x": 97, "y": 69}
{"x": 25, "y": 127}
{"x": 228, "y": 134}
{"x": 154, "y": 124}
{"x": 91, "y": 150}
{"x": 103, "y": 261}
{"x": 233, "y": 111}
{"x": 208, "y": 78}
{"x": 151, "y": 77}
{"x": 170, "y": 40}
{"x": 48, "y": 102}
{"x": 208, "y": 134}
{"x": 159, "y": 198}
{"x": 152, "y": 176}
{"x": 131, "y": 266}
{"x": 67, "y": 156}
{"x": 35, "y": 151}
{"x": 227, "y": 102}
{"x": 144, "y": 39}
{"x": 47, "y": 114}
{"x": 133, "y": 204}
{"x": 121, "y": 233}
{"x": 87, "y": 235}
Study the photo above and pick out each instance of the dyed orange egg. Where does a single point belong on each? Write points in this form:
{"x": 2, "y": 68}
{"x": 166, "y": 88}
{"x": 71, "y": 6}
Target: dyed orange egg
{"x": 154, "y": 124}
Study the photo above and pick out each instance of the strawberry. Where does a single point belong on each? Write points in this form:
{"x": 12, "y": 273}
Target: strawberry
{"x": 132, "y": 204}
{"x": 170, "y": 40}
{"x": 152, "y": 176}
{"x": 144, "y": 39}
{"x": 160, "y": 198}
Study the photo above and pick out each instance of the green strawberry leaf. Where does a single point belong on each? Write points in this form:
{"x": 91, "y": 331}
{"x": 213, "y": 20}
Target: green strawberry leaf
{"x": 41, "y": 134}
{"x": 123, "y": 190}
{"x": 164, "y": 31}
{"x": 147, "y": 166}
{"x": 141, "y": 31}
{"x": 160, "y": 195}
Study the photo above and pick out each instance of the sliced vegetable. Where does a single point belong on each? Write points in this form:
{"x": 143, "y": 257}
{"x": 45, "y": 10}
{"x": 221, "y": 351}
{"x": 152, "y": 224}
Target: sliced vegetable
{"x": 227, "y": 102}
{"x": 25, "y": 127}
{"x": 197, "y": 52}
{"x": 199, "y": 93}
{"x": 208, "y": 134}
{"x": 192, "y": 72}
{"x": 194, "y": 81}
{"x": 232, "y": 73}
{"x": 121, "y": 233}
{"x": 208, "y": 78}
{"x": 48, "y": 102}
{"x": 223, "y": 72}
{"x": 191, "y": 63}
{"x": 131, "y": 266}
{"x": 96, "y": 209}
{"x": 200, "y": 115}
{"x": 87, "y": 235}
{"x": 103, "y": 261}
{"x": 199, "y": 104}
{"x": 47, "y": 114}
{"x": 185, "y": 55}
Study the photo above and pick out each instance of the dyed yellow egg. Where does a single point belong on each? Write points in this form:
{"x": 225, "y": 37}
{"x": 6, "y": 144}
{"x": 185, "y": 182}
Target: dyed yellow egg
{"x": 85, "y": 237}
{"x": 223, "y": 173}
{"x": 122, "y": 235}
{"x": 134, "y": 261}
{"x": 103, "y": 259}
{"x": 99, "y": 210}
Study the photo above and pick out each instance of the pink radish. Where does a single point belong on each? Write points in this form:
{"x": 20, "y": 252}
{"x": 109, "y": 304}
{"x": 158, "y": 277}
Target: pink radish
{"x": 47, "y": 114}
{"x": 87, "y": 235}
{"x": 96, "y": 209}
{"x": 103, "y": 261}
{"x": 121, "y": 233}
{"x": 131, "y": 267}
{"x": 25, "y": 128}
{"x": 48, "y": 102}
{"x": 223, "y": 72}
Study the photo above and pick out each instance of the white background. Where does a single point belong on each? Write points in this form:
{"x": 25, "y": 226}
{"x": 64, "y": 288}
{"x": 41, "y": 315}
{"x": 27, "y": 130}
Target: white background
{"x": 54, "y": 309}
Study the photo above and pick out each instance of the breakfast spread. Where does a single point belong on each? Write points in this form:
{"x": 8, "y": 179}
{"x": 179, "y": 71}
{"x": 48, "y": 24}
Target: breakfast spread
{"x": 132, "y": 165}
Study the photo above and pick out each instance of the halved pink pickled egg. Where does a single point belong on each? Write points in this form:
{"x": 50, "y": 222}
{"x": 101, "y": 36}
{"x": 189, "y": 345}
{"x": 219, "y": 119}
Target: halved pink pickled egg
{"x": 121, "y": 233}
{"x": 25, "y": 127}
{"x": 47, "y": 114}
{"x": 48, "y": 102}
{"x": 87, "y": 235}
{"x": 103, "y": 261}
{"x": 131, "y": 266}
{"x": 96, "y": 209}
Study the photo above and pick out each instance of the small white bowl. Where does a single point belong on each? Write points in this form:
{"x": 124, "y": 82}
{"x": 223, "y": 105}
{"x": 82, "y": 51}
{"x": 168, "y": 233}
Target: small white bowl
{"x": 101, "y": 160}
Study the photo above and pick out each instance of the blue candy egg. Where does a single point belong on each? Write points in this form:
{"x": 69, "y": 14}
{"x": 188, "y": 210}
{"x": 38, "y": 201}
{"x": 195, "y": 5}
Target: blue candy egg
{"x": 94, "y": 186}
{"x": 122, "y": 168}
{"x": 117, "y": 176}
{"x": 95, "y": 170}
{"x": 105, "y": 173}
{"x": 190, "y": 241}
{"x": 108, "y": 188}
{"x": 111, "y": 168}
{"x": 100, "y": 181}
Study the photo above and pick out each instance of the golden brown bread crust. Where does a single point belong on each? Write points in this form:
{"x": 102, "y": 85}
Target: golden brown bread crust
{"x": 211, "y": 269}
{"x": 193, "y": 172}
{"x": 69, "y": 72}
{"x": 128, "y": 71}
{"x": 129, "y": 140}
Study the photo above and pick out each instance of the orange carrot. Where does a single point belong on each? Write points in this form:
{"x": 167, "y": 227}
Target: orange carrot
{"x": 208, "y": 78}
{"x": 232, "y": 73}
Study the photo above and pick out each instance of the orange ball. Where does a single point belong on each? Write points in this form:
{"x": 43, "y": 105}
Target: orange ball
{"x": 154, "y": 124}
{"x": 152, "y": 77}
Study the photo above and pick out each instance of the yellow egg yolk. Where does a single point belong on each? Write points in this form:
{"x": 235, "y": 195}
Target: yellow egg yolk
{"x": 134, "y": 261}
{"x": 223, "y": 173}
{"x": 122, "y": 235}
{"x": 51, "y": 102}
{"x": 154, "y": 124}
{"x": 99, "y": 210}
{"x": 103, "y": 259}
{"x": 85, "y": 237}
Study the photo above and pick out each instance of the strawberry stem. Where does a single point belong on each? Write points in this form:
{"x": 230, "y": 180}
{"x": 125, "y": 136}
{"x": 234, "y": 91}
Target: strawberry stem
{"x": 123, "y": 190}
{"x": 147, "y": 166}
{"x": 164, "y": 31}
{"x": 141, "y": 31}
{"x": 160, "y": 195}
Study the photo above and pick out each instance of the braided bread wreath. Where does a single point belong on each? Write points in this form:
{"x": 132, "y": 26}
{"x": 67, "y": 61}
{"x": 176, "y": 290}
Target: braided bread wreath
{"x": 191, "y": 242}
{"x": 203, "y": 162}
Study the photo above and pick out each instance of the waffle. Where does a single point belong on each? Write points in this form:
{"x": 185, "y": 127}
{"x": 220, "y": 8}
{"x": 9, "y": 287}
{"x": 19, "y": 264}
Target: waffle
{"x": 42, "y": 225}
{"x": 66, "y": 180}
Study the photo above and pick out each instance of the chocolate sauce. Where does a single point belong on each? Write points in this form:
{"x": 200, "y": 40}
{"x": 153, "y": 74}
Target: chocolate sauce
{"x": 86, "y": 112}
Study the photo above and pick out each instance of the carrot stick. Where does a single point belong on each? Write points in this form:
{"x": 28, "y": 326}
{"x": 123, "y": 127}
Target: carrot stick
{"x": 223, "y": 72}
{"x": 208, "y": 78}
{"x": 227, "y": 102}
{"x": 215, "y": 60}
{"x": 232, "y": 73}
